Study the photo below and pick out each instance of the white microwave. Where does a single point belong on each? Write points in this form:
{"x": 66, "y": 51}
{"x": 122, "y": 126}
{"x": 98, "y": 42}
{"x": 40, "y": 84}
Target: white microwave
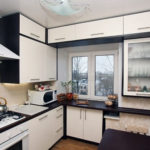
{"x": 42, "y": 97}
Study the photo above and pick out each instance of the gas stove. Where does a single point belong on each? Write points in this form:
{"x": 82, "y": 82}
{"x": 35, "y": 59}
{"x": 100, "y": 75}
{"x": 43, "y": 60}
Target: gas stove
{"x": 9, "y": 117}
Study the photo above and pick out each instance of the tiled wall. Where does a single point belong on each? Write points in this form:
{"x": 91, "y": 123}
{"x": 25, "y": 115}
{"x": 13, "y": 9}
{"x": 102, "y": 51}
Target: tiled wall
{"x": 127, "y": 120}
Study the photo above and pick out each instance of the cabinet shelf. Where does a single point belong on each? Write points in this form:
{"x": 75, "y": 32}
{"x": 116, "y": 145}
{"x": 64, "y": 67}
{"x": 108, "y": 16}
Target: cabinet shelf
{"x": 146, "y": 77}
{"x": 139, "y": 58}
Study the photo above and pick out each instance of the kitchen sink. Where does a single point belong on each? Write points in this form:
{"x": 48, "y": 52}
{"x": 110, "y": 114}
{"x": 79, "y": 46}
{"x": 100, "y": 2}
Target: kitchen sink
{"x": 29, "y": 109}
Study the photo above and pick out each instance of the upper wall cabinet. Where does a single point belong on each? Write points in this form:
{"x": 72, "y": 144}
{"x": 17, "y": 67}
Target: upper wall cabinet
{"x": 136, "y": 67}
{"x": 61, "y": 34}
{"x": 31, "y": 29}
{"x": 137, "y": 23}
{"x": 101, "y": 28}
{"x": 37, "y": 60}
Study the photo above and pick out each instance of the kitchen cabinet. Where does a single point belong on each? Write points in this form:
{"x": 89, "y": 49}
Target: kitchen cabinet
{"x": 37, "y": 60}
{"x": 46, "y": 129}
{"x": 137, "y": 23}
{"x": 100, "y": 28}
{"x": 61, "y": 34}
{"x": 32, "y": 57}
{"x": 89, "y": 30}
{"x": 57, "y": 124}
{"x": 136, "y": 67}
{"x": 84, "y": 123}
{"x": 50, "y": 65}
{"x": 40, "y": 132}
{"x": 31, "y": 29}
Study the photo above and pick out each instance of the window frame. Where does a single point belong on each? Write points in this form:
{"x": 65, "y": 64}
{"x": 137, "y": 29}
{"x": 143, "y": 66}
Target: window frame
{"x": 92, "y": 71}
{"x": 71, "y": 55}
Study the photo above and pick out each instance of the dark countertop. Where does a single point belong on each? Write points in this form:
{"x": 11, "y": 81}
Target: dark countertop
{"x": 98, "y": 105}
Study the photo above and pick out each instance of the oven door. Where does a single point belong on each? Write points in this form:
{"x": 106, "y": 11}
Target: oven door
{"x": 19, "y": 142}
{"x": 48, "y": 97}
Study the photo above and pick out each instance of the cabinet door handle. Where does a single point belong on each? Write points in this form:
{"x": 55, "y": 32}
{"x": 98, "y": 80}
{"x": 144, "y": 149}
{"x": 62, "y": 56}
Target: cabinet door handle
{"x": 80, "y": 114}
{"x": 142, "y": 94}
{"x": 59, "y": 116}
{"x": 32, "y": 34}
{"x": 51, "y": 78}
{"x": 95, "y": 34}
{"x": 35, "y": 79}
{"x": 43, "y": 117}
{"x": 59, "y": 129}
{"x": 59, "y": 109}
{"x": 143, "y": 28}
{"x": 85, "y": 114}
{"x": 60, "y": 39}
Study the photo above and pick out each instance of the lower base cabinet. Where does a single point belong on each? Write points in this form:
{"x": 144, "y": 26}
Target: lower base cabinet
{"x": 46, "y": 129}
{"x": 84, "y": 123}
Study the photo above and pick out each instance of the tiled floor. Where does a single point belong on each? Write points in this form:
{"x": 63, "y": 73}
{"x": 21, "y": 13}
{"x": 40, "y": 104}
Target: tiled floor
{"x": 70, "y": 144}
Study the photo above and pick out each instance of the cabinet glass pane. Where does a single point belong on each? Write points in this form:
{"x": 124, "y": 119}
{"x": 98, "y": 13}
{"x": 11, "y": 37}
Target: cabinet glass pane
{"x": 104, "y": 82}
{"x": 139, "y": 67}
{"x": 80, "y": 75}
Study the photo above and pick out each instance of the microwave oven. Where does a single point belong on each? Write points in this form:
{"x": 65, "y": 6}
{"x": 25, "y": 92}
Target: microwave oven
{"x": 42, "y": 97}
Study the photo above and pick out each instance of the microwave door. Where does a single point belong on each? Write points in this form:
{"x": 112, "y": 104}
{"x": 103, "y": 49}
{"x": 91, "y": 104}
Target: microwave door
{"x": 48, "y": 96}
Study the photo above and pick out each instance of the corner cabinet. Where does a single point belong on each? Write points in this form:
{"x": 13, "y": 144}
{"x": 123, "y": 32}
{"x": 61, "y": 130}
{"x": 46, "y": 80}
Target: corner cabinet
{"x": 84, "y": 123}
{"x": 61, "y": 34}
{"x": 27, "y": 39}
{"x": 137, "y": 67}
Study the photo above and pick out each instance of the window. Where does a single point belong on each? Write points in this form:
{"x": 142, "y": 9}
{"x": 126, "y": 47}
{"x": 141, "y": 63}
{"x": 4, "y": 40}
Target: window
{"x": 80, "y": 75}
{"x": 104, "y": 75}
{"x": 94, "y": 73}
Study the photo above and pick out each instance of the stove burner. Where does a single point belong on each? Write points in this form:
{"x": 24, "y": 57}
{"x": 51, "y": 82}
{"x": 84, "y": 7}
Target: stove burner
{"x": 9, "y": 118}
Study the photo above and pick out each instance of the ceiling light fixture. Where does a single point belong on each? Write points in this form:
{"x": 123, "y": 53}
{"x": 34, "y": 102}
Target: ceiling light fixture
{"x": 62, "y": 7}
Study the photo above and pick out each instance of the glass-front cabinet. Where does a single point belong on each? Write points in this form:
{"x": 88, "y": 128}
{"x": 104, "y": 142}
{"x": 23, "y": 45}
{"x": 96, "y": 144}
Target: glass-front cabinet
{"x": 137, "y": 67}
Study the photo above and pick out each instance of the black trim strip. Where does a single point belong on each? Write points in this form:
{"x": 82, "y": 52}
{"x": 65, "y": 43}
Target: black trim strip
{"x": 33, "y": 39}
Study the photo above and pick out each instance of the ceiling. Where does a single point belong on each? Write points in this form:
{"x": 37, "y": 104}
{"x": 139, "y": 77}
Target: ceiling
{"x": 97, "y": 9}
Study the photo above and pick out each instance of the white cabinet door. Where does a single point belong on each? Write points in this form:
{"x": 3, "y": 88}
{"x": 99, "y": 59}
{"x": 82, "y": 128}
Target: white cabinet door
{"x": 50, "y": 63}
{"x": 75, "y": 122}
{"x": 93, "y": 125}
{"x": 61, "y": 34}
{"x": 100, "y": 28}
{"x": 32, "y": 29}
{"x": 39, "y": 133}
{"x": 137, "y": 23}
{"x": 32, "y": 60}
{"x": 84, "y": 123}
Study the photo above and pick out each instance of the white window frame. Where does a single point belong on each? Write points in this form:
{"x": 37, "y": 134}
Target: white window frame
{"x": 70, "y": 70}
{"x": 91, "y": 71}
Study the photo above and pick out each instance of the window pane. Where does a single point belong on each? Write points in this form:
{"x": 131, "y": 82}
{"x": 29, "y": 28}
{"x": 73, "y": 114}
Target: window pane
{"x": 80, "y": 75}
{"x": 104, "y": 82}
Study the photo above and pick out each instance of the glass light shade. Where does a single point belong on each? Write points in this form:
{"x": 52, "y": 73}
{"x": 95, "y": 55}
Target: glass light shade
{"x": 60, "y": 7}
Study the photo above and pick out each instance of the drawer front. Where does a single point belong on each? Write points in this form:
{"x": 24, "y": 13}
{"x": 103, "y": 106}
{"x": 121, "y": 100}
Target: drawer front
{"x": 59, "y": 116}
{"x": 138, "y": 23}
{"x": 101, "y": 28}
{"x": 59, "y": 133}
{"x": 61, "y": 34}
{"x": 31, "y": 29}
